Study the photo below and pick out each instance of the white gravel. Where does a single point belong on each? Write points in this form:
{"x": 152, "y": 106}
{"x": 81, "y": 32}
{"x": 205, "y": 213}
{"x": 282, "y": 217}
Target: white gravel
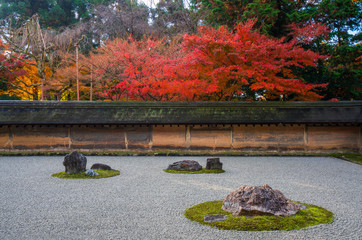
{"x": 146, "y": 203}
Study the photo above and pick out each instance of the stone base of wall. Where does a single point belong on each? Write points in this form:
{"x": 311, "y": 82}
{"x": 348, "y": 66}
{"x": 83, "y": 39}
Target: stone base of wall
{"x": 243, "y": 138}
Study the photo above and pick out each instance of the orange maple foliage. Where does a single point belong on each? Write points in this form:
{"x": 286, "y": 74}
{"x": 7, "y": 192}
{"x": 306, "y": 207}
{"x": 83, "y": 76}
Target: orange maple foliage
{"x": 28, "y": 81}
{"x": 19, "y": 76}
{"x": 63, "y": 85}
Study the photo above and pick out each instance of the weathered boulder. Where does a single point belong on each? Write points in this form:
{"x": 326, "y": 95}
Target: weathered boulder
{"x": 75, "y": 162}
{"x": 91, "y": 172}
{"x": 101, "y": 166}
{"x": 185, "y": 165}
{"x": 259, "y": 200}
{"x": 213, "y": 163}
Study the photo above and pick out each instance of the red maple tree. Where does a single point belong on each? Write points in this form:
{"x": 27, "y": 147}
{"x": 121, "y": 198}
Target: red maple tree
{"x": 149, "y": 69}
{"x": 215, "y": 64}
{"x": 244, "y": 63}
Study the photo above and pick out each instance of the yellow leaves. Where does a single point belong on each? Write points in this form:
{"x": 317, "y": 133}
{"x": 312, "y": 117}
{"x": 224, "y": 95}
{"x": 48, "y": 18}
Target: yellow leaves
{"x": 27, "y": 86}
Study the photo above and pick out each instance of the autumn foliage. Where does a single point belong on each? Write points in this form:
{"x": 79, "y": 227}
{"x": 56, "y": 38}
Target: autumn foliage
{"x": 216, "y": 64}
{"x": 11, "y": 72}
{"x": 247, "y": 63}
{"x": 213, "y": 65}
{"x": 148, "y": 69}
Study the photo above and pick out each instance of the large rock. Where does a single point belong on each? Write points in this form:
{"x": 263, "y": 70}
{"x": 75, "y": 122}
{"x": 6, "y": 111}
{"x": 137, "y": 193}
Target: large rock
{"x": 213, "y": 163}
{"x": 185, "y": 165}
{"x": 75, "y": 163}
{"x": 259, "y": 200}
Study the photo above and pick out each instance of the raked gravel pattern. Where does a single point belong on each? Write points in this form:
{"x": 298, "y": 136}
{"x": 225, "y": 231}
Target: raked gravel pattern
{"x": 144, "y": 202}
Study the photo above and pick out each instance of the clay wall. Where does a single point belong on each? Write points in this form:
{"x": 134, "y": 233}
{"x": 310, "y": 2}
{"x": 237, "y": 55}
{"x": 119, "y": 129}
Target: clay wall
{"x": 186, "y": 126}
{"x": 245, "y": 138}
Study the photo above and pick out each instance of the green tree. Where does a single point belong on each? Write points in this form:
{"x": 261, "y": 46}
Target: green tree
{"x": 343, "y": 69}
{"x": 53, "y": 14}
{"x": 343, "y": 17}
{"x": 171, "y": 17}
{"x": 272, "y": 16}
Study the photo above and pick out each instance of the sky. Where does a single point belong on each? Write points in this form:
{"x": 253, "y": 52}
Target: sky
{"x": 154, "y": 2}
{"x": 150, "y": 2}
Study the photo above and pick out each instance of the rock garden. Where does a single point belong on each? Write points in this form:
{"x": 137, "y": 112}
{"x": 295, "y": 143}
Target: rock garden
{"x": 258, "y": 208}
{"x": 144, "y": 202}
{"x": 248, "y": 208}
{"x": 75, "y": 168}
{"x": 213, "y": 165}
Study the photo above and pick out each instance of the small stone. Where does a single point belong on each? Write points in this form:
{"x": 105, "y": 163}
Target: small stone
{"x": 259, "y": 200}
{"x": 215, "y": 218}
{"x": 91, "y": 173}
{"x": 75, "y": 163}
{"x": 301, "y": 206}
{"x": 185, "y": 165}
{"x": 101, "y": 166}
{"x": 213, "y": 163}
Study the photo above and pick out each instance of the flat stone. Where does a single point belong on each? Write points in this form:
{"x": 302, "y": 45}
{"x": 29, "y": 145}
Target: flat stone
{"x": 213, "y": 163}
{"x": 259, "y": 200}
{"x": 91, "y": 173}
{"x": 101, "y": 166}
{"x": 185, "y": 165}
{"x": 215, "y": 218}
{"x": 301, "y": 206}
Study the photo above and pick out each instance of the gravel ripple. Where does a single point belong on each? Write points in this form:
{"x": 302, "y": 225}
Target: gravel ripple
{"x": 144, "y": 202}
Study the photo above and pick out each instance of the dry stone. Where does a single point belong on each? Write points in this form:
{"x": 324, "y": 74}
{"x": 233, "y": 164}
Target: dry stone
{"x": 259, "y": 200}
{"x": 215, "y": 218}
{"x": 91, "y": 172}
{"x": 75, "y": 162}
{"x": 213, "y": 163}
{"x": 101, "y": 166}
{"x": 185, "y": 165}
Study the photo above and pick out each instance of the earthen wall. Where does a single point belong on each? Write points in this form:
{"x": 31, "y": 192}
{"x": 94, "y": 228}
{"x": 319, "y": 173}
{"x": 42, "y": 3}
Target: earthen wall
{"x": 245, "y": 138}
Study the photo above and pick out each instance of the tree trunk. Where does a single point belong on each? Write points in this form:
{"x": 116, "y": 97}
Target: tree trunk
{"x": 91, "y": 85}
{"x": 77, "y": 66}
{"x": 41, "y": 89}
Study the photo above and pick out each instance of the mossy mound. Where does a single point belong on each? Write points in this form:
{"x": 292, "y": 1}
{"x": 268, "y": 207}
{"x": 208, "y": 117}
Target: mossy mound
{"x": 311, "y": 216}
{"x": 195, "y": 172}
{"x": 102, "y": 174}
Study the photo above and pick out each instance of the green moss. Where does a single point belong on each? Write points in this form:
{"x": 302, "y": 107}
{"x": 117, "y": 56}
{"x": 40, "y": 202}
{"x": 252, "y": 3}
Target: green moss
{"x": 195, "y": 172}
{"x": 351, "y": 157}
{"x": 311, "y": 216}
{"x": 102, "y": 174}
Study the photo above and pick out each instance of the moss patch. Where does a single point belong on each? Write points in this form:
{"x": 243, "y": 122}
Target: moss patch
{"x": 102, "y": 174}
{"x": 351, "y": 157}
{"x": 311, "y": 216}
{"x": 195, "y": 172}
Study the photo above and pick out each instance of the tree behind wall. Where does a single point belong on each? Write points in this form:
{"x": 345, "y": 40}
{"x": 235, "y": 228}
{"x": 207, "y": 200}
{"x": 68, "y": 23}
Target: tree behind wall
{"x": 271, "y": 16}
{"x": 344, "y": 68}
{"x": 172, "y": 17}
{"x": 41, "y": 50}
{"x": 246, "y": 64}
{"x": 52, "y": 14}
{"x": 11, "y": 70}
{"x": 341, "y": 70}
{"x": 215, "y": 64}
